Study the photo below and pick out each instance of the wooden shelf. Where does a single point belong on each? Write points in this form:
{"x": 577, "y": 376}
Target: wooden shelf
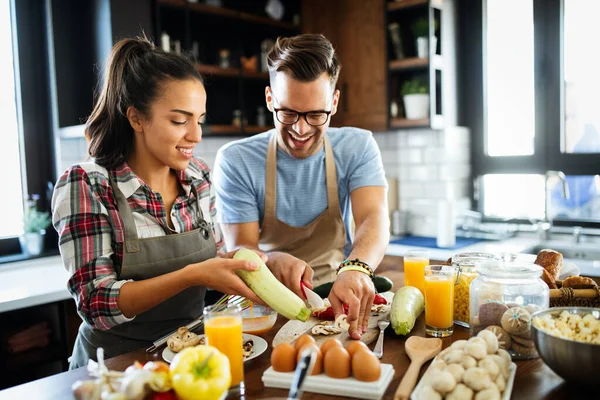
{"x": 255, "y": 75}
{"x": 254, "y": 129}
{"x": 402, "y": 4}
{"x": 409, "y": 63}
{"x": 409, "y": 123}
{"x": 222, "y": 129}
{"x": 229, "y": 13}
{"x": 207, "y": 69}
{"x": 415, "y": 63}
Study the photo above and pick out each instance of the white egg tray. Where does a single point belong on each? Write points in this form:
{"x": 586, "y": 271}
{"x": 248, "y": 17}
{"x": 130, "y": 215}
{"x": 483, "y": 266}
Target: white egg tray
{"x": 323, "y": 384}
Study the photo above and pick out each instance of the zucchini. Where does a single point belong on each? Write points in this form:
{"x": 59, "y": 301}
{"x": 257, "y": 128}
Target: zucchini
{"x": 408, "y": 303}
{"x": 382, "y": 284}
{"x": 269, "y": 289}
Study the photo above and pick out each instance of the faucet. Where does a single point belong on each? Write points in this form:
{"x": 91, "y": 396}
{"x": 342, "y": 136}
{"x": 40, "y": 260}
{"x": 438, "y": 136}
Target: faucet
{"x": 545, "y": 225}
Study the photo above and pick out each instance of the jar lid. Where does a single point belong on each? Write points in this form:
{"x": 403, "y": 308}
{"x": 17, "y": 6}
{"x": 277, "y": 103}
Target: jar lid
{"x": 509, "y": 270}
{"x": 472, "y": 259}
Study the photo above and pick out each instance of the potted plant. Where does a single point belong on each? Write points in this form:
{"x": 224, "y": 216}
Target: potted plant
{"x": 415, "y": 95}
{"x": 35, "y": 223}
{"x": 420, "y": 30}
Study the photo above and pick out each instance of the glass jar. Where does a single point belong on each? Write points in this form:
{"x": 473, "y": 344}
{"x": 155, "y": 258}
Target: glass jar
{"x": 466, "y": 264}
{"x": 502, "y": 299}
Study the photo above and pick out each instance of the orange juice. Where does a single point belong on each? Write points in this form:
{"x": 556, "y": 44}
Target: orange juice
{"x": 225, "y": 333}
{"x": 439, "y": 301}
{"x": 414, "y": 272}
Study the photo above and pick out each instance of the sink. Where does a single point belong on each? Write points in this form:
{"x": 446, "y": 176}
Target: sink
{"x": 572, "y": 251}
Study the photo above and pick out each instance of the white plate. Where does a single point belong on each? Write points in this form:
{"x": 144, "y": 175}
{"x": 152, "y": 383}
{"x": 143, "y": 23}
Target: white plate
{"x": 260, "y": 345}
{"x": 505, "y": 395}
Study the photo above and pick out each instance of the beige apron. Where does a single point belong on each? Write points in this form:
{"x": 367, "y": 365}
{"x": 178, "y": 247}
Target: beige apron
{"x": 321, "y": 243}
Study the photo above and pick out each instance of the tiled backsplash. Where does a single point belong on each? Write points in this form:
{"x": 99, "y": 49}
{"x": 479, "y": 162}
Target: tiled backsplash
{"x": 429, "y": 165}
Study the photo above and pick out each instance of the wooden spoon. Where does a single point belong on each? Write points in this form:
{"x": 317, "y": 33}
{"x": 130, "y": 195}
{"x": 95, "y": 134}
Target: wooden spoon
{"x": 419, "y": 350}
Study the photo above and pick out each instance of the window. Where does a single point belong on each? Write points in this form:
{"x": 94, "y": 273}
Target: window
{"x": 541, "y": 102}
{"x": 11, "y": 206}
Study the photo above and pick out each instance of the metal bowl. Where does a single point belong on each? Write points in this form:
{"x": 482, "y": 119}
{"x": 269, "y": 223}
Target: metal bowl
{"x": 576, "y": 362}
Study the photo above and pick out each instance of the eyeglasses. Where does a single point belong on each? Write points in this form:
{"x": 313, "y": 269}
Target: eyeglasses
{"x": 290, "y": 117}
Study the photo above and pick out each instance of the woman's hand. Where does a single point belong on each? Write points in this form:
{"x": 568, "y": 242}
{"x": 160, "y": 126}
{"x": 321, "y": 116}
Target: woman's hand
{"x": 290, "y": 270}
{"x": 219, "y": 274}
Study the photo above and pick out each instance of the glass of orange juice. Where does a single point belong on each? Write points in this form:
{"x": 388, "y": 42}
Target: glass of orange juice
{"x": 439, "y": 299}
{"x": 414, "y": 264}
{"x": 223, "y": 330}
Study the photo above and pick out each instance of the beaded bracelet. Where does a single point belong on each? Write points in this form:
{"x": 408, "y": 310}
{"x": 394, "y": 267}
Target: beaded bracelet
{"x": 356, "y": 263}
{"x": 353, "y": 268}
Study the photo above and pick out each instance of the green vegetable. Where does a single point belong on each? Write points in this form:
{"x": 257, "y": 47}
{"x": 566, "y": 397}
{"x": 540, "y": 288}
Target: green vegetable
{"x": 382, "y": 284}
{"x": 269, "y": 289}
{"x": 407, "y": 305}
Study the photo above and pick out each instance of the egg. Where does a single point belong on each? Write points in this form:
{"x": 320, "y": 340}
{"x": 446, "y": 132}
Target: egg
{"x": 365, "y": 366}
{"x": 337, "y": 363}
{"x": 283, "y": 358}
{"x": 329, "y": 343}
{"x": 356, "y": 345}
{"x": 304, "y": 340}
{"x": 318, "y": 367}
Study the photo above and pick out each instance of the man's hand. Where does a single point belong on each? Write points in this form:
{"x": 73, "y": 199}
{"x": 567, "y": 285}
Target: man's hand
{"x": 355, "y": 289}
{"x": 290, "y": 270}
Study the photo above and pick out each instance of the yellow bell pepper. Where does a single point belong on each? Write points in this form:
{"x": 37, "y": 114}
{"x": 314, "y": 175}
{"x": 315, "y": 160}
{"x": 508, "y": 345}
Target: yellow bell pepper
{"x": 194, "y": 378}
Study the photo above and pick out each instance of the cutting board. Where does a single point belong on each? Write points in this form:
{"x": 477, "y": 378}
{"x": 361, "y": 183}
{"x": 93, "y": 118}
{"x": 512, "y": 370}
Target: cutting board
{"x": 292, "y": 329}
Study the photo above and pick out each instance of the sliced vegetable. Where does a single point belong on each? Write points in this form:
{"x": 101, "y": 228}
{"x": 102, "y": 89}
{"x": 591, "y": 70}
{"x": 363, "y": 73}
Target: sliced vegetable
{"x": 269, "y": 289}
{"x": 408, "y": 303}
{"x": 381, "y": 283}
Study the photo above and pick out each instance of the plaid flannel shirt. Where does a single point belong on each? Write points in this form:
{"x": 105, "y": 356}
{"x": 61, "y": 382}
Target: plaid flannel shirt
{"x": 91, "y": 231}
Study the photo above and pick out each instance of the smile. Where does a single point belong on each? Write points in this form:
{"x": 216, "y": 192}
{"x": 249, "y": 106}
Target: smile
{"x": 185, "y": 150}
{"x": 300, "y": 139}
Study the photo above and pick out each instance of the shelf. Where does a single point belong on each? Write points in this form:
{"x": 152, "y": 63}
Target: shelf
{"x": 415, "y": 63}
{"x": 436, "y": 123}
{"x": 402, "y": 4}
{"x": 409, "y": 123}
{"x": 254, "y": 129}
{"x": 215, "y": 70}
{"x": 229, "y": 13}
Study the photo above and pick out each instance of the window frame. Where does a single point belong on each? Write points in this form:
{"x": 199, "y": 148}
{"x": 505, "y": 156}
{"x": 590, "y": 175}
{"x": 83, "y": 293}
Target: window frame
{"x": 549, "y": 102}
{"x": 28, "y": 21}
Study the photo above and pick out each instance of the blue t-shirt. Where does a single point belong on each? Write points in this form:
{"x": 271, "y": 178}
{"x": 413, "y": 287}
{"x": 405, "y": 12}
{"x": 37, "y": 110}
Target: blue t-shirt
{"x": 240, "y": 178}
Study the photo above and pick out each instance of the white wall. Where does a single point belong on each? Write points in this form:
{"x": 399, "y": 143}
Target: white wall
{"x": 429, "y": 166}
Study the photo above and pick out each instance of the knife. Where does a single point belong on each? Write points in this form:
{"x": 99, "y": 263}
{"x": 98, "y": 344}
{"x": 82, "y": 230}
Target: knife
{"x": 314, "y": 300}
{"x": 303, "y": 369}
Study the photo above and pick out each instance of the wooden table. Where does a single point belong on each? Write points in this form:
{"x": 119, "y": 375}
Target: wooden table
{"x": 534, "y": 380}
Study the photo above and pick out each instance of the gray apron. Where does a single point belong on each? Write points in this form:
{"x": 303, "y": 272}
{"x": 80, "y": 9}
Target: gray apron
{"x": 145, "y": 259}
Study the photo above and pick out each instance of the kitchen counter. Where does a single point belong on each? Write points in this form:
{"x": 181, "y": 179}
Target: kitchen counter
{"x": 515, "y": 244}
{"x": 32, "y": 282}
{"x": 534, "y": 380}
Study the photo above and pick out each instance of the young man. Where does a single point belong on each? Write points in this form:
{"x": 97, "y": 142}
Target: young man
{"x": 309, "y": 195}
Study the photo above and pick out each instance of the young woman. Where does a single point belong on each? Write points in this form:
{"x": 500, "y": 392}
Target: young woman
{"x": 136, "y": 224}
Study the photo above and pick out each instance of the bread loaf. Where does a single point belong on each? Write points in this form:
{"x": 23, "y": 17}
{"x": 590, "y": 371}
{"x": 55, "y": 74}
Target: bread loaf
{"x": 546, "y": 277}
{"x": 551, "y": 261}
{"x": 579, "y": 282}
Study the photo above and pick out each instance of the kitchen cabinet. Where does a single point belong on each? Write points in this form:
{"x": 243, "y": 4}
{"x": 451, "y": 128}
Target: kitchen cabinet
{"x": 220, "y": 37}
{"x": 355, "y": 28}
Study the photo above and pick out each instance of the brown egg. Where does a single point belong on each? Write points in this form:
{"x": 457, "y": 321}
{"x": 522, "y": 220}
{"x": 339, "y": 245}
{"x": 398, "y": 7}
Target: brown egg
{"x": 329, "y": 343}
{"x": 356, "y": 345}
{"x": 365, "y": 366}
{"x": 318, "y": 367}
{"x": 304, "y": 340}
{"x": 337, "y": 363}
{"x": 283, "y": 358}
